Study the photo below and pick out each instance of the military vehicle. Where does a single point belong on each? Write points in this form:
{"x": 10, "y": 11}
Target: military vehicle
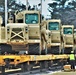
{"x": 4, "y": 47}
{"x": 68, "y": 38}
{"x": 75, "y": 40}
{"x": 44, "y": 37}
{"x": 25, "y": 34}
{"x": 53, "y": 30}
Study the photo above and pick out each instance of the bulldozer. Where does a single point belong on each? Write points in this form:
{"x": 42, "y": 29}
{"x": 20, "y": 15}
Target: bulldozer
{"x": 68, "y": 38}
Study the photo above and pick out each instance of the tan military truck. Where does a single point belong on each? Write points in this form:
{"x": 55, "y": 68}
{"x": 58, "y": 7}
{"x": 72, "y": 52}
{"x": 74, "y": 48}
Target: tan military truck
{"x": 17, "y": 36}
{"x": 2, "y": 31}
{"x": 45, "y": 34}
{"x": 68, "y": 38}
{"x": 25, "y": 33}
{"x": 75, "y": 40}
{"x": 53, "y": 28}
{"x": 4, "y": 47}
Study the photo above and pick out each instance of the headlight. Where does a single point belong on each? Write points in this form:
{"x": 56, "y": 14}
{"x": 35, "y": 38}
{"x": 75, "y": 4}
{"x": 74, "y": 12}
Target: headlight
{"x": 26, "y": 29}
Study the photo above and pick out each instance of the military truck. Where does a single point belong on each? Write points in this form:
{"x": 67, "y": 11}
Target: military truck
{"x": 44, "y": 37}
{"x": 75, "y": 41}
{"x": 53, "y": 29}
{"x": 25, "y": 34}
{"x": 4, "y": 47}
{"x": 68, "y": 38}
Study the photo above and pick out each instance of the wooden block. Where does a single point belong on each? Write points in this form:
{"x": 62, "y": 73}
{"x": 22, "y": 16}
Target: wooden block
{"x": 67, "y": 67}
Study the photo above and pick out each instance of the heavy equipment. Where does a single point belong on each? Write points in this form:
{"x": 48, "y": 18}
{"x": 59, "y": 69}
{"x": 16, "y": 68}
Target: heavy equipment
{"x": 75, "y": 41}
{"x": 4, "y": 47}
{"x": 53, "y": 30}
{"x": 25, "y": 34}
{"x": 68, "y": 38}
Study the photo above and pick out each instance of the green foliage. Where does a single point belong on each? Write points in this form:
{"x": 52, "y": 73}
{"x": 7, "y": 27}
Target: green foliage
{"x": 64, "y": 12}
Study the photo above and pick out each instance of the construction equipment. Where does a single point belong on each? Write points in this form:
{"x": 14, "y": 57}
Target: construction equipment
{"x": 68, "y": 38}
{"x": 75, "y": 41}
{"x": 44, "y": 37}
{"x": 17, "y": 35}
{"x": 53, "y": 29}
{"x": 25, "y": 31}
{"x": 4, "y": 47}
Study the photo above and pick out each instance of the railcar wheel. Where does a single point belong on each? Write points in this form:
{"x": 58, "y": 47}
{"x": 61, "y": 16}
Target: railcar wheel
{"x": 23, "y": 69}
{"x": 44, "y": 65}
{"x": 26, "y": 67}
{"x": 41, "y": 65}
{"x": 2, "y": 69}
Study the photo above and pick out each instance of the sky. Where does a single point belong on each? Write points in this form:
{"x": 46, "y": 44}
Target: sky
{"x": 45, "y": 6}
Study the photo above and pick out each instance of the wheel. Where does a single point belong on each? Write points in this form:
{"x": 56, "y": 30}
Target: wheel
{"x": 25, "y": 67}
{"x": 67, "y": 50}
{"x": 53, "y": 50}
{"x": 44, "y": 65}
{"x": 5, "y": 48}
{"x": 2, "y": 69}
{"x": 41, "y": 65}
{"x": 7, "y": 61}
{"x": 34, "y": 49}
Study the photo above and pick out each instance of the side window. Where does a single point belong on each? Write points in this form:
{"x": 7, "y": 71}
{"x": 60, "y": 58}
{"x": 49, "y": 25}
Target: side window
{"x": 20, "y": 21}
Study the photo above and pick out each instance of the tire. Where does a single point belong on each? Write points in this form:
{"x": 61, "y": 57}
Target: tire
{"x": 5, "y": 48}
{"x": 67, "y": 50}
{"x": 53, "y": 50}
{"x": 2, "y": 69}
{"x": 34, "y": 49}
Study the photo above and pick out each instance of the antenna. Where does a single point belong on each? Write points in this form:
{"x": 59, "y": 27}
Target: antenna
{"x": 6, "y": 12}
{"x": 41, "y": 10}
{"x": 26, "y": 4}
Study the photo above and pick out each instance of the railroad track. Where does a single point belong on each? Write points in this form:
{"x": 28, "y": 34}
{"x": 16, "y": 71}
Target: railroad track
{"x": 19, "y": 72}
{"x": 31, "y": 72}
{"x": 35, "y": 70}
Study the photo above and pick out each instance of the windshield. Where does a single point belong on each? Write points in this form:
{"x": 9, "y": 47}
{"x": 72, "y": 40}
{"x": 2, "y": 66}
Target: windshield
{"x": 53, "y": 26}
{"x": 31, "y": 18}
{"x": 67, "y": 31}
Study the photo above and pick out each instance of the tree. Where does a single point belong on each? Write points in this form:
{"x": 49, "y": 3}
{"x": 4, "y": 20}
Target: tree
{"x": 64, "y": 10}
{"x": 12, "y": 6}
